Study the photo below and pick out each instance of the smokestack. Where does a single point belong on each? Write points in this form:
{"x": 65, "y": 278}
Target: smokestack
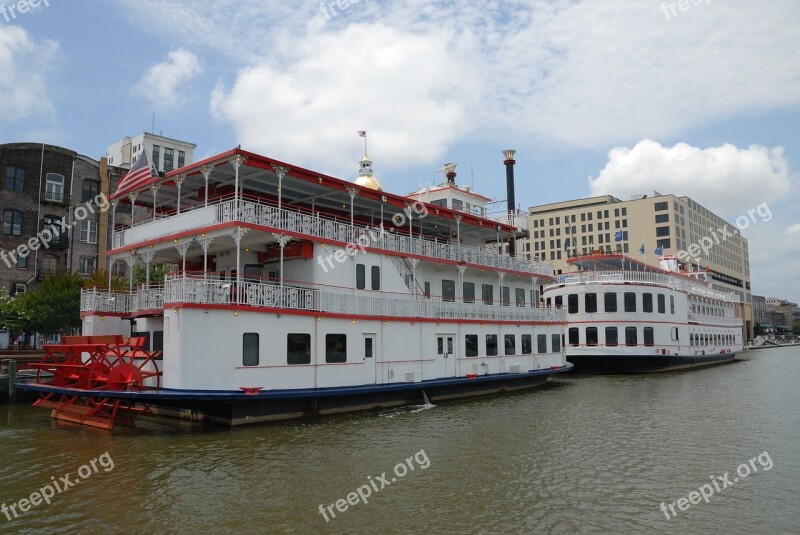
{"x": 450, "y": 173}
{"x": 510, "y": 200}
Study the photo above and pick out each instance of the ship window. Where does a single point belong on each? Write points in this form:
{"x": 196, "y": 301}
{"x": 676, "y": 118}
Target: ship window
{"x": 298, "y": 348}
{"x": 511, "y": 344}
{"x": 335, "y": 348}
{"x": 368, "y": 351}
{"x": 647, "y": 302}
{"x": 661, "y": 304}
{"x": 250, "y": 349}
{"x": 559, "y": 301}
{"x": 573, "y": 336}
{"x": 361, "y": 276}
{"x": 520, "y": 293}
{"x": 491, "y": 345}
{"x": 376, "y": 278}
{"x": 610, "y": 301}
{"x": 471, "y": 345}
{"x": 649, "y": 339}
{"x": 556, "y": 343}
{"x": 675, "y": 333}
{"x": 572, "y": 303}
{"x": 612, "y": 337}
{"x": 469, "y": 292}
{"x": 488, "y": 294}
{"x": 158, "y": 341}
{"x": 541, "y": 343}
{"x": 590, "y": 303}
{"x": 672, "y": 304}
{"x": 448, "y": 290}
{"x": 527, "y": 344}
{"x": 630, "y": 336}
{"x": 630, "y": 302}
{"x": 591, "y": 336}
{"x": 506, "y": 292}
{"x": 427, "y": 290}
{"x": 458, "y": 204}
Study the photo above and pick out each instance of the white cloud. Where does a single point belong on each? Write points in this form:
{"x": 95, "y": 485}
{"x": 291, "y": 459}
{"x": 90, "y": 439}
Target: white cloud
{"x": 403, "y": 88}
{"x": 163, "y": 83}
{"x": 24, "y": 64}
{"x": 726, "y": 179}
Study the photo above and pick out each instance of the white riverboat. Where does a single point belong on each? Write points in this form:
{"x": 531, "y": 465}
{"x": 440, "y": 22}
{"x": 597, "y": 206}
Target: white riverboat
{"x": 624, "y": 316}
{"x": 297, "y": 293}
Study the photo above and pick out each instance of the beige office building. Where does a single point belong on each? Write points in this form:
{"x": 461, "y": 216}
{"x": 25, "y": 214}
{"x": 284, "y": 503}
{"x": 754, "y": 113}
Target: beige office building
{"x": 664, "y": 224}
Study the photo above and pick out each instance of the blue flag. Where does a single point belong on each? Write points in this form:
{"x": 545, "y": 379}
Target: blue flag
{"x": 659, "y": 250}
{"x": 618, "y": 235}
{"x": 641, "y": 249}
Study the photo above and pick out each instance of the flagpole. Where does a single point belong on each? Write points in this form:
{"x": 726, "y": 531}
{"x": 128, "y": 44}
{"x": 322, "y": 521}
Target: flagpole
{"x": 365, "y": 143}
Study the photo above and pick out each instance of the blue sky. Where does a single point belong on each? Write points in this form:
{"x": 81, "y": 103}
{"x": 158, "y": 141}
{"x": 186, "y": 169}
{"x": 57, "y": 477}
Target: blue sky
{"x": 600, "y": 96}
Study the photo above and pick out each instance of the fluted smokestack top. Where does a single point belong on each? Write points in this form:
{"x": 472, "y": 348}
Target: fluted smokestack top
{"x": 509, "y": 154}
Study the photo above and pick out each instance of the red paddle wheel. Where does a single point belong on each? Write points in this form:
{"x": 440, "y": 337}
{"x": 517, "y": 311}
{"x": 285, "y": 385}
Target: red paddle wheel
{"x": 86, "y": 364}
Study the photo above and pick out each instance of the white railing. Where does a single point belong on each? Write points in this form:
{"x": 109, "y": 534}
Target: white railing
{"x": 644, "y": 277}
{"x": 715, "y": 320}
{"x": 513, "y": 218}
{"x": 271, "y": 295}
{"x": 332, "y": 229}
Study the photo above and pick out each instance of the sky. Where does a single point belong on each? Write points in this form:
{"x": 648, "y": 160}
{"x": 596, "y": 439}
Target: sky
{"x": 621, "y": 97}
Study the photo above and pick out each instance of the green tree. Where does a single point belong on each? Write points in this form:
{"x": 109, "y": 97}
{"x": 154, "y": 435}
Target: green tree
{"x": 55, "y": 306}
{"x": 758, "y": 330}
{"x": 157, "y": 273}
{"x": 99, "y": 280}
{"x": 797, "y": 328}
{"x": 15, "y": 315}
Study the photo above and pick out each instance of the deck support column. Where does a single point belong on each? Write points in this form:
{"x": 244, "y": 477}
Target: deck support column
{"x": 183, "y": 248}
{"x": 238, "y": 234}
{"x": 283, "y": 239}
{"x": 281, "y": 172}
{"x": 131, "y": 261}
{"x": 236, "y": 162}
{"x": 352, "y": 192}
{"x": 179, "y": 180}
{"x": 414, "y": 262}
{"x": 148, "y": 256}
{"x": 206, "y": 174}
{"x": 113, "y": 243}
{"x": 458, "y": 235}
{"x": 154, "y": 188}
{"x": 204, "y": 243}
{"x": 133, "y": 197}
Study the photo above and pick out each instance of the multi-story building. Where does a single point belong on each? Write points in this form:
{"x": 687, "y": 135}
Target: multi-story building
{"x": 165, "y": 153}
{"x": 657, "y": 225}
{"x": 761, "y": 315}
{"x": 785, "y": 313}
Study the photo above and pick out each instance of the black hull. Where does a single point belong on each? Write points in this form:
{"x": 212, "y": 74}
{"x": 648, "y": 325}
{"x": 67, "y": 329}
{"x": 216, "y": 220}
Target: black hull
{"x": 237, "y": 408}
{"x": 644, "y": 364}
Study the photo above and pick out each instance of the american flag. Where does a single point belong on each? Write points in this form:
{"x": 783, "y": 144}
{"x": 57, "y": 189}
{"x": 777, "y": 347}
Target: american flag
{"x": 362, "y": 133}
{"x": 139, "y": 174}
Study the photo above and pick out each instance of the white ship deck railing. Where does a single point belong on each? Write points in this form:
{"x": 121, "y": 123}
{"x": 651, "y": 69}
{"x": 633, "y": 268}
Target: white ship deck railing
{"x": 714, "y": 320}
{"x": 315, "y": 225}
{"x": 197, "y": 290}
{"x": 644, "y": 277}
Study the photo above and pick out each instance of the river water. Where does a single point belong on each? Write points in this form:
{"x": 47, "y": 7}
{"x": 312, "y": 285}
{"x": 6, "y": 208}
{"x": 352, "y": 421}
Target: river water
{"x": 580, "y": 455}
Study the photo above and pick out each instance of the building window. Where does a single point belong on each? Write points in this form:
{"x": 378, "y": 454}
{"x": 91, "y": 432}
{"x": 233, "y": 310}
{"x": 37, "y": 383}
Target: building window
{"x": 15, "y": 179}
{"x": 181, "y": 158}
{"x": 448, "y": 290}
{"x": 89, "y": 190}
{"x": 590, "y": 302}
{"x": 361, "y": 276}
{"x": 649, "y": 339}
{"x": 556, "y": 340}
{"x": 591, "y": 336}
{"x": 376, "y": 278}
{"x": 630, "y": 336}
{"x": 662, "y": 218}
{"x": 520, "y": 296}
{"x": 610, "y": 299}
{"x": 541, "y": 343}
{"x": 250, "y": 349}
{"x": 22, "y": 262}
{"x": 156, "y": 157}
{"x": 469, "y": 292}
{"x": 664, "y": 244}
{"x": 491, "y": 345}
{"x": 169, "y": 159}
{"x": 54, "y": 188}
{"x": 573, "y": 336}
{"x": 630, "y": 302}
{"x": 12, "y": 222}
{"x": 511, "y": 344}
{"x": 572, "y": 303}
{"x": 647, "y": 302}
{"x": 488, "y": 294}
{"x": 527, "y": 344}
{"x": 298, "y": 348}
{"x": 335, "y": 348}
{"x": 662, "y": 231}
{"x": 612, "y": 336}
{"x": 661, "y": 304}
{"x": 88, "y": 231}
{"x": 88, "y": 265}
{"x": 471, "y": 345}
{"x": 660, "y": 206}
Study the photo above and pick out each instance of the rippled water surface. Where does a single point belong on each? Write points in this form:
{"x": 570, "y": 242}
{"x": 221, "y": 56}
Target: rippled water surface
{"x": 580, "y": 455}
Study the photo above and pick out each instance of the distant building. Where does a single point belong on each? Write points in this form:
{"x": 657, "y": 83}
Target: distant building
{"x": 785, "y": 313}
{"x": 761, "y": 314}
{"x": 673, "y": 225}
{"x": 165, "y": 153}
